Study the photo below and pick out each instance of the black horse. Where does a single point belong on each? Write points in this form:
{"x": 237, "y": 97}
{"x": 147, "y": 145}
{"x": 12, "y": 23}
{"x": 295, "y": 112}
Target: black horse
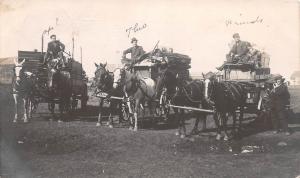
{"x": 103, "y": 82}
{"x": 183, "y": 92}
{"x": 59, "y": 88}
{"x": 227, "y": 97}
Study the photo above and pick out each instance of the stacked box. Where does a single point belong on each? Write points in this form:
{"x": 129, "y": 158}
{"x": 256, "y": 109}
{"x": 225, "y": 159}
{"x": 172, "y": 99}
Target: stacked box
{"x": 178, "y": 61}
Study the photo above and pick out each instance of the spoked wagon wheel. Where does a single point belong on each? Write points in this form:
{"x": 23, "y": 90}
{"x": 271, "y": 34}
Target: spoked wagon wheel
{"x": 125, "y": 110}
{"x": 163, "y": 109}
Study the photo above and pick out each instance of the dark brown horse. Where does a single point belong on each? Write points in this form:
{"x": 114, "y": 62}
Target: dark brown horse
{"x": 136, "y": 87}
{"x": 226, "y": 97}
{"x": 59, "y": 88}
{"x": 104, "y": 82}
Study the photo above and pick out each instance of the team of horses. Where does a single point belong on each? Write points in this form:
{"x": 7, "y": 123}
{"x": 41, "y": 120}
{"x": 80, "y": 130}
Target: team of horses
{"x": 58, "y": 90}
{"x": 224, "y": 97}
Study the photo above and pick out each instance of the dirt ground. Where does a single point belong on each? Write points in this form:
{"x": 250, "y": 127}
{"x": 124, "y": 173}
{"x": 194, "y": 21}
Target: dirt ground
{"x": 77, "y": 148}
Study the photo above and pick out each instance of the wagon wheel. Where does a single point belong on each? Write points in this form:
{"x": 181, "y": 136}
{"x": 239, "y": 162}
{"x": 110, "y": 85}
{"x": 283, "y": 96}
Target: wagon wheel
{"x": 51, "y": 106}
{"x": 163, "y": 109}
{"x": 125, "y": 110}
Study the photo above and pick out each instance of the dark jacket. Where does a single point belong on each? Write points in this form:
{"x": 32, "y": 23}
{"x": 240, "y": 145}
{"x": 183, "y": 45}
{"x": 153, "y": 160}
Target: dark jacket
{"x": 54, "y": 47}
{"x": 136, "y": 52}
{"x": 280, "y": 98}
{"x": 241, "y": 48}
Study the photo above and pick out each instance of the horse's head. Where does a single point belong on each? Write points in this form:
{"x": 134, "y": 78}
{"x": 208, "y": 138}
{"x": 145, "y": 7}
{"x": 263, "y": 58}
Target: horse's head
{"x": 101, "y": 76}
{"x": 119, "y": 74}
{"x": 209, "y": 81}
{"x": 18, "y": 69}
{"x": 52, "y": 66}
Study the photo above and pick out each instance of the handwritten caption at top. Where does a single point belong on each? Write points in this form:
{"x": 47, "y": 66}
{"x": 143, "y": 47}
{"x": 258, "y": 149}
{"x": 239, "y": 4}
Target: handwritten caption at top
{"x": 135, "y": 28}
{"x": 255, "y": 21}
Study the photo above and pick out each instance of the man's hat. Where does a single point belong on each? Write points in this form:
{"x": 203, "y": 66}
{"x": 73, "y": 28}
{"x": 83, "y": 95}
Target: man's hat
{"x": 274, "y": 77}
{"x": 277, "y": 77}
{"x": 53, "y": 35}
{"x": 133, "y": 39}
{"x": 236, "y": 35}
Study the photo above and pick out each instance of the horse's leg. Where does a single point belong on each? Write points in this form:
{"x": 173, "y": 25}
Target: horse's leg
{"x": 30, "y": 108}
{"x": 137, "y": 105}
{"x": 217, "y": 119}
{"x": 182, "y": 118}
{"x": 25, "y": 104}
{"x": 52, "y": 107}
{"x": 100, "y": 112}
{"x": 110, "y": 118}
{"x": 177, "y": 117}
{"x": 203, "y": 121}
{"x": 234, "y": 121}
{"x": 16, "y": 107}
{"x": 241, "y": 117}
{"x": 153, "y": 120}
{"x": 225, "y": 119}
{"x": 61, "y": 110}
{"x": 195, "y": 129}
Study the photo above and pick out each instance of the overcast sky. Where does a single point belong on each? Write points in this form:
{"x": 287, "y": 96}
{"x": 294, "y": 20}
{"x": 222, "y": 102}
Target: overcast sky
{"x": 200, "y": 29}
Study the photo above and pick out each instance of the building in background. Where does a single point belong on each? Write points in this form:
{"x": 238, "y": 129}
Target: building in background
{"x": 6, "y": 70}
{"x": 295, "y": 77}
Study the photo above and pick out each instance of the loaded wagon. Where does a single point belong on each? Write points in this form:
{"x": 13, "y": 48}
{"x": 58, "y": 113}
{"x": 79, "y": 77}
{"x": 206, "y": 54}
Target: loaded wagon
{"x": 253, "y": 77}
{"x": 34, "y": 63}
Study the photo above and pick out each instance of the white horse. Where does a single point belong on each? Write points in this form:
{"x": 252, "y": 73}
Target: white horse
{"x": 22, "y": 87}
{"x": 136, "y": 87}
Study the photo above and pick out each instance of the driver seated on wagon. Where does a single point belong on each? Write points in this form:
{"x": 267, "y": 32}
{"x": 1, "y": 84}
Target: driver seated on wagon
{"x": 55, "y": 51}
{"x": 238, "y": 52}
{"x": 135, "y": 51}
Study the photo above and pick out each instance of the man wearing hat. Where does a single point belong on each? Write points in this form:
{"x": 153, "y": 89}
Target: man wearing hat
{"x": 279, "y": 101}
{"x": 238, "y": 52}
{"x": 239, "y": 49}
{"x": 135, "y": 51}
{"x": 55, "y": 49}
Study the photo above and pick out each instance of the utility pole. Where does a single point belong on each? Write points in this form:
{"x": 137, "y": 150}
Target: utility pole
{"x": 73, "y": 47}
{"x": 81, "y": 60}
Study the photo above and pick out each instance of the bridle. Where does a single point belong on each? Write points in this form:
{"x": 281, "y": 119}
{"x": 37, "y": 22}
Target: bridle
{"x": 102, "y": 78}
{"x": 122, "y": 74}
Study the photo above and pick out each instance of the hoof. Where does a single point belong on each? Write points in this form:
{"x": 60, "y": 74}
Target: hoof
{"x": 130, "y": 128}
{"x": 59, "y": 121}
{"x": 182, "y": 136}
{"x": 135, "y": 129}
{"x": 226, "y": 138}
{"x": 15, "y": 121}
{"x": 218, "y": 137}
{"x": 110, "y": 126}
{"x": 26, "y": 121}
{"x": 98, "y": 124}
{"x": 177, "y": 133}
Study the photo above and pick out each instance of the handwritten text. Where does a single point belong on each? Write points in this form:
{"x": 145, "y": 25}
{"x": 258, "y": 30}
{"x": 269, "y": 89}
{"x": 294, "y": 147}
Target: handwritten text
{"x": 136, "y": 28}
{"x": 231, "y": 22}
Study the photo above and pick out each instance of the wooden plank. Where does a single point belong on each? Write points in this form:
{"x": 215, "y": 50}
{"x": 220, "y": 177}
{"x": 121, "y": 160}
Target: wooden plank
{"x": 192, "y": 108}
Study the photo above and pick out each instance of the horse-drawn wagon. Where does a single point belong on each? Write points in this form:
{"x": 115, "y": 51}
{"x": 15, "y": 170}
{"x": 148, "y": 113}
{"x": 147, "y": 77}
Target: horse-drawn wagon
{"x": 252, "y": 77}
{"x": 67, "y": 81}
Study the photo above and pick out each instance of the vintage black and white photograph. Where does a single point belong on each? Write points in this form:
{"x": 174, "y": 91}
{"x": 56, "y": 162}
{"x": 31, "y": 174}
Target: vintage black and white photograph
{"x": 149, "y": 88}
